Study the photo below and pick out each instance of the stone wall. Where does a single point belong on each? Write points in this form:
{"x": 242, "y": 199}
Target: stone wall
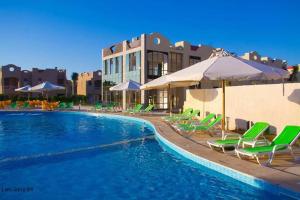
{"x": 277, "y": 104}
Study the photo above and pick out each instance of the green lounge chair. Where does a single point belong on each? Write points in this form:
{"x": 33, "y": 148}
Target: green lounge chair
{"x": 136, "y": 109}
{"x": 110, "y": 107}
{"x": 98, "y": 106}
{"x": 13, "y": 105}
{"x": 190, "y": 116}
{"x": 26, "y": 105}
{"x": 204, "y": 121}
{"x": 62, "y": 105}
{"x": 282, "y": 143}
{"x": 185, "y": 113}
{"x": 201, "y": 127}
{"x": 69, "y": 105}
{"x": 235, "y": 140}
{"x": 148, "y": 109}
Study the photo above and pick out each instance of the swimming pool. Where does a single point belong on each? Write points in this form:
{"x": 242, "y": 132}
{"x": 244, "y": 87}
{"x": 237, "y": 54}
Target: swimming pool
{"x": 64, "y": 155}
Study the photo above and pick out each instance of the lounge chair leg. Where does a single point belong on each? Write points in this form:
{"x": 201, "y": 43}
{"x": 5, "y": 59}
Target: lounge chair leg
{"x": 257, "y": 159}
{"x": 292, "y": 153}
{"x": 223, "y": 150}
{"x": 271, "y": 156}
{"x": 238, "y": 155}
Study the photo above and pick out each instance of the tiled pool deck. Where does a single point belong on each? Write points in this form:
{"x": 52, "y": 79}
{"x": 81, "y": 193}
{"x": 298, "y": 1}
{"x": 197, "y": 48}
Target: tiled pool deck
{"x": 284, "y": 172}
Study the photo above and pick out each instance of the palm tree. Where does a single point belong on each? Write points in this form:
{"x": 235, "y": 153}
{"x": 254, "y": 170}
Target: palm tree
{"x": 74, "y": 78}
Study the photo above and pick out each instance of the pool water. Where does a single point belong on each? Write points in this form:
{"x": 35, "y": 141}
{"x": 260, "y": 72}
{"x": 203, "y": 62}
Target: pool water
{"x": 61, "y": 155}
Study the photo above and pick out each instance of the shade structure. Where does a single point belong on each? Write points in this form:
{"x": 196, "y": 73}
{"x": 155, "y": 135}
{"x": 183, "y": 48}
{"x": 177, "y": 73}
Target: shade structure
{"x": 220, "y": 66}
{"x": 126, "y": 86}
{"x": 46, "y": 87}
{"x": 26, "y": 89}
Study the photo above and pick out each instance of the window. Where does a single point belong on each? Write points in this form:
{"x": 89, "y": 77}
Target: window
{"x": 175, "y": 62}
{"x": 157, "y": 64}
{"x": 89, "y": 83}
{"x": 105, "y": 67}
{"x": 132, "y": 62}
{"x": 117, "y": 65}
{"x": 111, "y": 66}
{"x": 194, "y": 60}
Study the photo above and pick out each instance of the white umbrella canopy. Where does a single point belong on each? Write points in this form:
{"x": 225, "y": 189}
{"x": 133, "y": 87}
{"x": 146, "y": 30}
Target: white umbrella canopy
{"x": 220, "y": 66}
{"x": 26, "y": 88}
{"x": 165, "y": 82}
{"x": 223, "y": 66}
{"x": 46, "y": 87}
{"x": 126, "y": 86}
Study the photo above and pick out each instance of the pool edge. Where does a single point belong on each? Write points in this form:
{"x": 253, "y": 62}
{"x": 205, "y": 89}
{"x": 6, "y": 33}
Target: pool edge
{"x": 235, "y": 174}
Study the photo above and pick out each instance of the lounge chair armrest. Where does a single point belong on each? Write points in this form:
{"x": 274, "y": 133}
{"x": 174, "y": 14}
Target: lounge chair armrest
{"x": 261, "y": 143}
{"x": 233, "y": 135}
{"x": 278, "y": 146}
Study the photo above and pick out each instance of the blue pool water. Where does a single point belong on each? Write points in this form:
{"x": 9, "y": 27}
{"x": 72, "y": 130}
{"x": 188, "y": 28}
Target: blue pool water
{"x": 55, "y": 155}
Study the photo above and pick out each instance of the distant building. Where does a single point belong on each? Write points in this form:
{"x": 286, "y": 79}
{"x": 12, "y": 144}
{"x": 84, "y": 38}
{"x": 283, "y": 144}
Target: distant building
{"x": 143, "y": 59}
{"x": 89, "y": 84}
{"x": 274, "y": 62}
{"x": 294, "y": 72}
{"x": 12, "y": 77}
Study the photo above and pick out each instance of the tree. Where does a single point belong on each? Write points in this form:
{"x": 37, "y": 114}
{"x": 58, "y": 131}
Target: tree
{"x": 74, "y": 78}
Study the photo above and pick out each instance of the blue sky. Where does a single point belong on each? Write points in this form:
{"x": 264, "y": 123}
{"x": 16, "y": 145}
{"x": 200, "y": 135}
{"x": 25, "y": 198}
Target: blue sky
{"x": 71, "y": 34}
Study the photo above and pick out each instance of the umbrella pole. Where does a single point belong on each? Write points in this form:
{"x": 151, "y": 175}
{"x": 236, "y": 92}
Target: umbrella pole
{"x": 223, "y": 108}
{"x": 169, "y": 100}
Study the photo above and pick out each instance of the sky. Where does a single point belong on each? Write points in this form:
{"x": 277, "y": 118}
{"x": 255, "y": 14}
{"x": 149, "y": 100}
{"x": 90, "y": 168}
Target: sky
{"x": 70, "y": 34}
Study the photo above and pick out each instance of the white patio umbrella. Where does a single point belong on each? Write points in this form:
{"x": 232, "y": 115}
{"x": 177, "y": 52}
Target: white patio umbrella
{"x": 46, "y": 87}
{"x": 24, "y": 89}
{"x": 223, "y": 67}
{"x": 126, "y": 86}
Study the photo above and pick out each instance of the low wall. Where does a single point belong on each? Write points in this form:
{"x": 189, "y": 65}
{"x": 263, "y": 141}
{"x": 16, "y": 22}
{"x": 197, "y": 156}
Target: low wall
{"x": 276, "y": 104}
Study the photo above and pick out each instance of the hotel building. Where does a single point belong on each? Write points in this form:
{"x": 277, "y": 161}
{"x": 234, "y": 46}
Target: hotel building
{"x": 89, "y": 85}
{"x": 143, "y": 59}
{"x": 12, "y": 77}
{"x": 274, "y": 62}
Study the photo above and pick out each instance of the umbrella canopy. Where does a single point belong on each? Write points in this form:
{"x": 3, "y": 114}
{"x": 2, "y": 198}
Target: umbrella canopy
{"x": 26, "y": 88}
{"x": 46, "y": 87}
{"x": 165, "y": 82}
{"x": 220, "y": 66}
{"x": 126, "y": 86}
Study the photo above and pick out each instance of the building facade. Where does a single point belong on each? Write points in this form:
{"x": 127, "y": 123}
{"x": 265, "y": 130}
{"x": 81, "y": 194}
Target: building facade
{"x": 89, "y": 84}
{"x": 274, "y": 62}
{"x": 143, "y": 59}
{"x": 12, "y": 77}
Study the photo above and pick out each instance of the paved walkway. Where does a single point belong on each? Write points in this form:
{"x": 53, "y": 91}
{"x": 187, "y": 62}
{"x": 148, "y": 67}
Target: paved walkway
{"x": 285, "y": 171}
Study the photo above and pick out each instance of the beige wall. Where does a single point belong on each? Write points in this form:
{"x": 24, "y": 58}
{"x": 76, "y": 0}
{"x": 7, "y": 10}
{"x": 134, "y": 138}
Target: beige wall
{"x": 272, "y": 103}
{"x": 83, "y": 78}
{"x": 92, "y": 91}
